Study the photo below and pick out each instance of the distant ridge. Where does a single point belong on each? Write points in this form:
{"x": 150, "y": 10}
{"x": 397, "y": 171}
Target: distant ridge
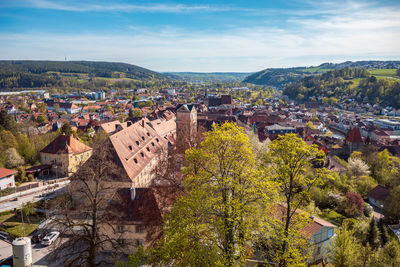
{"x": 37, "y": 73}
{"x": 279, "y": 77}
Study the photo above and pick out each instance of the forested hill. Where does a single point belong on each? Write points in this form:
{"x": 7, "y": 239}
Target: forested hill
{"x": 209, "y": 77}
{"x": 347, "y": 83}
{"x": 279, "y": 77}
{"x": 27, "y": 73}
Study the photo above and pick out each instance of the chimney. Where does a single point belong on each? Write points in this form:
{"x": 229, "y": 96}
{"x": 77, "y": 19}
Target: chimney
{"x": 133, "y": 193}
{"x": 143, "y": 123}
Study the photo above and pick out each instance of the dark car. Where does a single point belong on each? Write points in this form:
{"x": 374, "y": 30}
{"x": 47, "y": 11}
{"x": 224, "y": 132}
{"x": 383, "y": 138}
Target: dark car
{"x": 38, "y": 237}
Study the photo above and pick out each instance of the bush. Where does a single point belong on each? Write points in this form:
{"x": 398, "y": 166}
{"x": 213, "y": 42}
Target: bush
{"x": 332, "y": 216}
{"x": 31, "y": 177}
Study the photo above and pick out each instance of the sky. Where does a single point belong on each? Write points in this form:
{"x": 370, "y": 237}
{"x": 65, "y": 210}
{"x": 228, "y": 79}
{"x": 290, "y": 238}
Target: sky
{"x": 201, "y": 36}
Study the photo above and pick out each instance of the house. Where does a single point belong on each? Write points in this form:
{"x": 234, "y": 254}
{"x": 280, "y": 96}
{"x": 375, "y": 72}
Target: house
{"x": 64, "y": 154}
{"x": 114, "y": 126}
{"x": 378, "y": 195}
{"x": 278, "y": 129}
{"x": 7, "y": 178}
{"x": 137, "y": 211}
{"x": 321, "y": 233}
{"x": 70, "y": 108}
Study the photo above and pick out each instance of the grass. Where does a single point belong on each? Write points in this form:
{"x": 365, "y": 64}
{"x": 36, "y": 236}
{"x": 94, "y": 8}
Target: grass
{"x": 12, "y": 224}
{"x": 332, "y": 216}
{"x": 356, "y": 82}
{"x": 384, "y": 72}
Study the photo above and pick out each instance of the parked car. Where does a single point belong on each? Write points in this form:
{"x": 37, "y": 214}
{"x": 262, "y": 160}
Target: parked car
{"x": 50, "y": 238}
{"x": 38, "y": 237}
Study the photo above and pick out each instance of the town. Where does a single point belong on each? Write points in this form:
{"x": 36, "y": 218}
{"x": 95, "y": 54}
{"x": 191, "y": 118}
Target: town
{"x": 52, "y": 143}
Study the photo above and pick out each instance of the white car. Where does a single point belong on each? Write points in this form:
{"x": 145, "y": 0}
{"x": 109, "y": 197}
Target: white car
{"x": 49, "y": 238}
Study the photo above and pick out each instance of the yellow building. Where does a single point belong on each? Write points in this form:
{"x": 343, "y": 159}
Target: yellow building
{"x": 65, "y": 154}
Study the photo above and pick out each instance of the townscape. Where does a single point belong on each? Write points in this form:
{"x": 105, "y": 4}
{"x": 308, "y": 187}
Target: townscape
{"x": 131, "y": 144}
{"x": 199, "y": 133}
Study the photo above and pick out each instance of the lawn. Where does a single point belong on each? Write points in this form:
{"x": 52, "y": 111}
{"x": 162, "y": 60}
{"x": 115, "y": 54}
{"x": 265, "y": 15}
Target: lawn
{"x": 384, "y": 72}
{"x": 12, "y": 224}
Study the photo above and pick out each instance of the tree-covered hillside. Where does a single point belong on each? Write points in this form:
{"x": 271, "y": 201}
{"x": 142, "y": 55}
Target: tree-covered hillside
{"x": 34, "y": 74}
{"x": 347, "y": 83}
{"x": 283, "y": 76}
{"x": 203, "y": 77}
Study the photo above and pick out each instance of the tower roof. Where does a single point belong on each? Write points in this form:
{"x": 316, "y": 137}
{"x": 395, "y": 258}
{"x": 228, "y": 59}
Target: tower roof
{"x": 354, "y": 136}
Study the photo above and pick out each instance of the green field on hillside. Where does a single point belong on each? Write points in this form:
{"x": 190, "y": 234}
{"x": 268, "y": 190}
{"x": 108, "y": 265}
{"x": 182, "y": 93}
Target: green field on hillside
{"x": 384, "y": 72}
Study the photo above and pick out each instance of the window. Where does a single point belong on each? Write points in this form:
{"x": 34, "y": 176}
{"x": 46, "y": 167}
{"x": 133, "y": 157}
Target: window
{"x": 121, "y": 241}
{"x": 135, "y": 160}
{"x": 330, "y": 233}
{"x": 148, "y": 149}
{"x": 137, "y": 142}
{"x": 148, "y": 134}
{"x": 82, "y": 157}
{"x": 120, "y": 228}
{"x": 157, "y": 140}
{"x": 141, "y": 154}
{"x": 130, "y": 148}
{"x": 76, "y": 158}
{"x": 143, "y": 138}
{"x": 139, "y": 242}
{"x": 152, "y": 143}
{"x": 139, "y": 229}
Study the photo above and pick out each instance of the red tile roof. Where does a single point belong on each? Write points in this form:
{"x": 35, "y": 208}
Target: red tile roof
{"x": 66, "y": 144}
{"x": 6, "y": 172}
{"x": 354, "y": 136}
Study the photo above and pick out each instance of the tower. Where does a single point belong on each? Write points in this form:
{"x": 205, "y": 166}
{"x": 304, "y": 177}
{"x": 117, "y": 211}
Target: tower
{"x": 186, "y": 123}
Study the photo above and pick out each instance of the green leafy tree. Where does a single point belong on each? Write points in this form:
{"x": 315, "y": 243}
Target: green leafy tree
{"x": 372, "y": 237}
{"x": 7, "y": 140}
{"x": 28, "y": 209}
{"x": 67, "y": 129}
{"x": 41, "y": 119}
{"x": 41, "y": 107}
{"x": 25, "y": 148}
{"x": 290, "y": 162}
{"x": 388, "y": 256}
{"x": 56, "y": 107}
{"x": 212, "y": 222}
{"x": 345, "y": 250}
{"x": 392, "y": 204}
{"x": 7, "y": 122}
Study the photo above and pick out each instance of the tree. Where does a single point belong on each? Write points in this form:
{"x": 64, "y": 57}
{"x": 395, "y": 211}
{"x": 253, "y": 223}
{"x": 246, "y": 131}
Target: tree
{"x": 383, "y": 231}
{"x": 7, "y": 140}
{"x": 56, "y": 107}
{"x": 290, "y": 162}
{"x": 358, "y": 167}
{"x": 28, "y": 209}
{"x": 7, "y": 122}
{"x": 25, "y": 148}
{"x": 84, "y": 214}
{"x": 388, "y": 256}
{"x": 41, "y": 107}
{"x": 41, "y": 119}
{"x": 212, "y": 221}
{"x": 310, "y": 125}
{"x": 66, "y": 129}
{"x": 13, "y": 159}
{"x": 345, "y": 250}
{"x": 392, "y": 204}
{"x": 353, "y": 204}
{"x": 134, "y": 114}
{"x": 372, "y": 237}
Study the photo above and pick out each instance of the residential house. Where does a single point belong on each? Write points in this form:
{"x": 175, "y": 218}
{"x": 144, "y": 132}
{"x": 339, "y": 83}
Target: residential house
{"x": 7, "y": 178}
{"x": 65, "y": 154}
{"x": 377, "y": 196}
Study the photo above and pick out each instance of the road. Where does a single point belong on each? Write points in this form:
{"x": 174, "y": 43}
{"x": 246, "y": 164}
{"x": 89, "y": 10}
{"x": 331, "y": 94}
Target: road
{"x": 34, "y": 197}
{"x": 39, "y": 253}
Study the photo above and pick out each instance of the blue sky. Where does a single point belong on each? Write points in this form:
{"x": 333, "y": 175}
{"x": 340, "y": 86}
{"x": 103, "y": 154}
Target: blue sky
{"x": 206, "y": 36}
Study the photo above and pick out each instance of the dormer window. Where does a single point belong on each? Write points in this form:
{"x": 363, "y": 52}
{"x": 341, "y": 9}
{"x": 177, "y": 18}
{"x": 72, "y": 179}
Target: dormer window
{"x": 143, "y": 138}
{"x": 135, "y": 160}
{"x": 148, "y": 134}
{"x": 130, "y": 148}
{"x": 157, "y": 140}
{"x": 152, "y": 143}
{"x": 141, "y": 154}
{"x": 148, "y": 149}
{"x": 137, "y": 142}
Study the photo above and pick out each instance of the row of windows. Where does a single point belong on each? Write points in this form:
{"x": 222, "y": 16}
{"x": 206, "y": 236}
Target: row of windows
{"x": 137, "y": 242}
{"x": 138, "y": 229}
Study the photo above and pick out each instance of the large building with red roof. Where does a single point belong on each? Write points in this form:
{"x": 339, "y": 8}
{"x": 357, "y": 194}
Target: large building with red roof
{"x": 64, "y": 154}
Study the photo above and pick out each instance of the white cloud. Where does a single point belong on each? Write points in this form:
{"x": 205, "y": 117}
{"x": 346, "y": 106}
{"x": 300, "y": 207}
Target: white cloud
{"x": 357, "y": 32}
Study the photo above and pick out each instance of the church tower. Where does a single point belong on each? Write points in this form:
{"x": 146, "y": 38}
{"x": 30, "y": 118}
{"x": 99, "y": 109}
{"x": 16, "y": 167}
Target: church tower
{"x": 186, "y": 123}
